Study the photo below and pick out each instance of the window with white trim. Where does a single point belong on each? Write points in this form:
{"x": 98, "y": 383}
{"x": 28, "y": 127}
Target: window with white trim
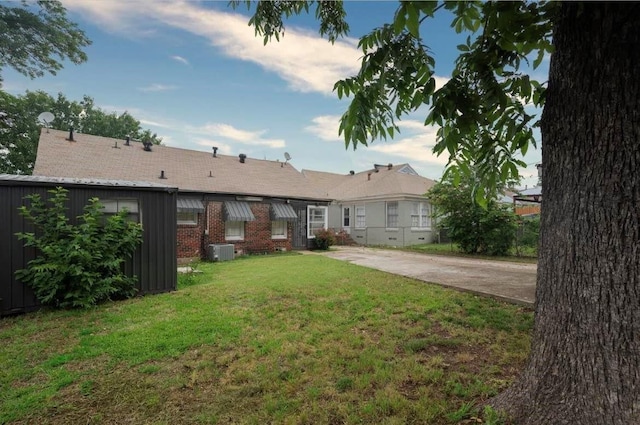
{"x": 361, "y": 218}
{"x": 346, "y": 217}
{"x": 317, "y": 219}
{"x": 392, "y": 215}
{"x": 279, "y": 229}
{"x": 187, "y": 217}
{"x": 420, "y": 217}
{"x": 114, "y": 206}
{"x": 234, "y": 230}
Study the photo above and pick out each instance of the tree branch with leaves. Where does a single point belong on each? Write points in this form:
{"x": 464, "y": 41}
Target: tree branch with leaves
{"x": 38, "y": 37}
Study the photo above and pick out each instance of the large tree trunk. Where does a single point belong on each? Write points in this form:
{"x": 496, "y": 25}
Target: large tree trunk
{"x": 585, "y": 356}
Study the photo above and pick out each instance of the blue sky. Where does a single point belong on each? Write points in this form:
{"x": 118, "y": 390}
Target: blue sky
{"x": 195, "y": 73}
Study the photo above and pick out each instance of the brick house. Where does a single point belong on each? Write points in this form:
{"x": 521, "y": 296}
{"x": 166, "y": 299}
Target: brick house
{"x": 256, "y": 205}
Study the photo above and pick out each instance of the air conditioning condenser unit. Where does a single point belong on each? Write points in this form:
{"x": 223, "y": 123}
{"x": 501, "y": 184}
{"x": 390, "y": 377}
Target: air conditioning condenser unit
{"x": 221, "y": 252}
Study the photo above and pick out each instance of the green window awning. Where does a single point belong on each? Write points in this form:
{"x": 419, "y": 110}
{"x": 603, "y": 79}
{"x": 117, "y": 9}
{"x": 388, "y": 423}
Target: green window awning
{"x": 190, "y": 205}
{"x": 283, "y": 212}
{"x": 237, "y": 211}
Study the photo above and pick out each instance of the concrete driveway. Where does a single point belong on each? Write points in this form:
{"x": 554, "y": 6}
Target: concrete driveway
{"x": 513, "y": 282}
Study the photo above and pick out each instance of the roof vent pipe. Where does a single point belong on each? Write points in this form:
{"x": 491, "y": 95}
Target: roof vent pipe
{"x": 71, "y": 135}
{"x": 162, "y": 176}
{"x": 215, "y": 151}
{"x": 369, "y": 176}
{"x": 352, "y": 172}
{"x": 242, "y": 157}
{"x": 127, "y": 141}
{"x": 147, "y": 146}
{"x": 389, "y": 166}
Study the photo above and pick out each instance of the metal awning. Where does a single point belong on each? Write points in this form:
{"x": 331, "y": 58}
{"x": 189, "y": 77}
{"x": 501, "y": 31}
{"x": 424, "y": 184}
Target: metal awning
{"x": 190, "y": 205}
{"x": 237, "y": 211}
{"x": 281, "y": 212}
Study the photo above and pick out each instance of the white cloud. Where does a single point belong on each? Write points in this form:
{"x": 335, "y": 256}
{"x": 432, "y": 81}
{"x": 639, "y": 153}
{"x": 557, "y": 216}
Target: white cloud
{"x": 411, "y": 125}
{"x": 415, "y": 148}
{"x": 243, "y": 136}
{"x": 307, "y": 62}
{"x": 326, "y": 127}
{"x": 180, "y": 59}
{"x": 156, "y": 87}
{"x": 154, "y": 123}
{"x": 223, "y": 148}
{"x": 230, "y": 132}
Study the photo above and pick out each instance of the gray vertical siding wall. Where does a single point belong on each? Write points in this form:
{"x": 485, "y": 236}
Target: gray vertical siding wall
{"x": 154, "y": 262}
{"x": 376, "y": 232}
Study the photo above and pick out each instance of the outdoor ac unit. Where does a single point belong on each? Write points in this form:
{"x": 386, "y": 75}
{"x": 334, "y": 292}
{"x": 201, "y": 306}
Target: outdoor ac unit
{"x": 222, "y": 252}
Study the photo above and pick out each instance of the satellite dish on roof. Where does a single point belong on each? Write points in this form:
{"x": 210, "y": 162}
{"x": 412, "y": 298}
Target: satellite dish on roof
{"x": 46, "y": 118}
{"x": 287, "y": 156}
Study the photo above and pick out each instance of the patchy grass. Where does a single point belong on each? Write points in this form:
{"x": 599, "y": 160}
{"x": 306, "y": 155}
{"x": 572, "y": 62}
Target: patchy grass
{"x": 285, "y": 339}
{"x": 526, "y": 255}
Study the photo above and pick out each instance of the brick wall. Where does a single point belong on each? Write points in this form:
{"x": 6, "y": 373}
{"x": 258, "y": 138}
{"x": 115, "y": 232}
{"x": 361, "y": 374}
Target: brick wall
{"x": 193, "y": 242}
{"x": 189, "y": 240}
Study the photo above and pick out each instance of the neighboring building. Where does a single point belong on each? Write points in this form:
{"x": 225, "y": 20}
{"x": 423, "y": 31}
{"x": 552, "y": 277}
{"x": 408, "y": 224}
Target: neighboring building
{"x": 527, "y": 202}
{"x": 385, "y": 205}
{"x": 152, "y": 204}
{"x": 256, "y": 205}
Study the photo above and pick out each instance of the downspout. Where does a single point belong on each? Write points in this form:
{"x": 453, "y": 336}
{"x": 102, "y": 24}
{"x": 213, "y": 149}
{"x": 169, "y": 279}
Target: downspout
{"x": 206, "y": 227}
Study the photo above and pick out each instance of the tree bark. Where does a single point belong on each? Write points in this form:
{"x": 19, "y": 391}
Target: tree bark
{"x": 584, "y": 366}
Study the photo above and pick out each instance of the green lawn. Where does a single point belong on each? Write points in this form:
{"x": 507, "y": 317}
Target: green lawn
{"x": 291, "y": 339}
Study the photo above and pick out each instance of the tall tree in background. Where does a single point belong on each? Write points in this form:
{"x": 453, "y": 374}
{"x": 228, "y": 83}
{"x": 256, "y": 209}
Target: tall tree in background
{"x": 37, "y": 37}
{"x": 584, "y": 365}
{"x": 19, "y": 137}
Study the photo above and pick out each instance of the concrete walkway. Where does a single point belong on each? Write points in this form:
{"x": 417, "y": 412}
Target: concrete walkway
{"x": 513, "y": 282}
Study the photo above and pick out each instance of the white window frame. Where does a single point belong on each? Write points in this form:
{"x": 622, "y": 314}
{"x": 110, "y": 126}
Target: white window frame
{"x": 361, "y": 217}
{"x": 114, "y": 206}
{"x": 325, "y": 222}
{"x": 230, "y": 225}
{"x": 189, "y": 217}
{"x": 279, "y": 229}
{"x": 346, "y": 218}
{"x": 388, "y": 222}
{"x": 420, "y": 214}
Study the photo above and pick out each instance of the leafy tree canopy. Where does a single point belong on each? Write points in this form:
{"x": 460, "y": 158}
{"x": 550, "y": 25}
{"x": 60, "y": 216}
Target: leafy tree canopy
{"x": 20, "y": 132}
{"x": 484, "y": 124}
{"x": 37, "y": 37}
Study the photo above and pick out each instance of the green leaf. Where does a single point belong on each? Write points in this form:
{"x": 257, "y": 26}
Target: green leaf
{"x": 400, "y": 18}
{"x": 413, "y": 20}
{"x": 538, "y": 60}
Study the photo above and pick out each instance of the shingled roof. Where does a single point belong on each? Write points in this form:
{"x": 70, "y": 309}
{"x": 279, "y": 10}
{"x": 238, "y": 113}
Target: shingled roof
{"x": 97, "y": 157}
{"x": 382, "y": 181}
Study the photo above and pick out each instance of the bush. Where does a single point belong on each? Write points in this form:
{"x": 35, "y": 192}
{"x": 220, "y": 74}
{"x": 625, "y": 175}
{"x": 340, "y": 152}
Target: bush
{"x": 77, "y": 265}
{"x": 324, "y": 239}
{"x": 529, "y": 232}
{"x": 342, "y": 237}
{"x": 528, "y": 235}
{"x": 488, "y": 229}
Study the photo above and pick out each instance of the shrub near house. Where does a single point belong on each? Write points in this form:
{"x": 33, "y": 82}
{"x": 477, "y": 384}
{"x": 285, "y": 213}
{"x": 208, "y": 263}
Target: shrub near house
{"x": 324, "y": 239}
{"x": 77, "y": 265}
